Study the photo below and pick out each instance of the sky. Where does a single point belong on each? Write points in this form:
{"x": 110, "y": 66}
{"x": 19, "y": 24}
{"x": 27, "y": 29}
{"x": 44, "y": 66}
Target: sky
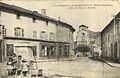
{"x": 95, "y": 14}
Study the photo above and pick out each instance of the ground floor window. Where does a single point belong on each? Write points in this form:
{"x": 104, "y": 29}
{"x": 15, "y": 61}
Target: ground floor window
{"x": 60, "y": 50}
{"x": 43, "y": 51}
{"x": 66, "y": 50}
{"x": 10, "y": 49}
{"x": 47, "y": 51}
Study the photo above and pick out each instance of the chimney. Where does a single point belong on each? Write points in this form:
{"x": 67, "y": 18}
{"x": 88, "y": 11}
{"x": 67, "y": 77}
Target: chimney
{"x": 43, "y": 11}
{"x": 59, "y": 18}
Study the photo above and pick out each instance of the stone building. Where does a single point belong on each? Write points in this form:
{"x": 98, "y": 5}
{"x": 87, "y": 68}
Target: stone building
{"x": 82, "y": 36}
{"x": 110, "y": 38}
{"x": 88, "y": 38}
{"x": 29, "y": 33}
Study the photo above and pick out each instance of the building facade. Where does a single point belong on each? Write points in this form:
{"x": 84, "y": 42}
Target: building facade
{"x": 29, "y": 33}
{"x": 88, "y": 38}
{"x": 111, "y": 39}
{"x": 82, "y": 36}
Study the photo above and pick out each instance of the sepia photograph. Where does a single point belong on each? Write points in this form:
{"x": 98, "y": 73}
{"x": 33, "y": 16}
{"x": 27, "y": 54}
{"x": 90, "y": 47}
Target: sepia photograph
{"x": 59, "y": 39}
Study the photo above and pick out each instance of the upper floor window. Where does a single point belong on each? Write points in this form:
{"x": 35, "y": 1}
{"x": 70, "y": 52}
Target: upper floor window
{"x": 52, "y": 36}
{"x": 19, "y": 32}
{"x": 109, "y": 37}
{"x": 22, "y": 32}
{"x": 43, "y": 35}
{"x": 18, "y": 16}
{"x": 83, "y": 37}
{"x": 2, "y": 30}
{"x": 34, "y": 34}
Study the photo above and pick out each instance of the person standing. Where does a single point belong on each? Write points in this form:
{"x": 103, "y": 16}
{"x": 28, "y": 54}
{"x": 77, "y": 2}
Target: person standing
{"x": 14, "y": 64}
{"x": 19, "y": 65}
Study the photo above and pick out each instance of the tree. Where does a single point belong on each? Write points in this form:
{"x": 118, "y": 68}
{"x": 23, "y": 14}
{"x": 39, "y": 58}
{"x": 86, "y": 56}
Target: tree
{"x": 84, "y": 49}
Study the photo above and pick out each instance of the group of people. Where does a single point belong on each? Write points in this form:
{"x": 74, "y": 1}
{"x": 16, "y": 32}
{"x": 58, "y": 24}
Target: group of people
{"x": 17, "y": 66}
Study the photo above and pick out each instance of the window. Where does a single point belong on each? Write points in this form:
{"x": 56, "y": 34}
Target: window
{"x": 10, "y": 49}
{"x": 66, "y": 50}
{"x": 34, "y": 34}
{"x": 2, "y": 30}
{"x": 18, "y": 32}
{"x": 18, "y": 16}
{"x": 43, "y": 35}
{"x": 22, "y": 32}
{"x": 117, "y": 28}
{"x": 34, "y": 19}
{"x": 52, "y": 36}
{"x": 83, "y": 37}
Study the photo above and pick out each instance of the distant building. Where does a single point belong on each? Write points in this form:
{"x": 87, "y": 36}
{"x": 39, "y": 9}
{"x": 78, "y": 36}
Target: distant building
{"x": 111, "y": 39}
{"x": 88, "y": 38}
{"x": 29, "y": 33}
{"x": 82, "y": 36}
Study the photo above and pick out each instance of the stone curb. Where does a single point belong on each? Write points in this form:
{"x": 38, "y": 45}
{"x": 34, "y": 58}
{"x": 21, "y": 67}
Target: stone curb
{"x": 111, "y": 65}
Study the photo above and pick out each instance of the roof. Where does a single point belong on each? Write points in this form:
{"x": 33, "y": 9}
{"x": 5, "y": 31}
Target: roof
{"x": 33, "y": 13}
{"x": 111, "y": 22}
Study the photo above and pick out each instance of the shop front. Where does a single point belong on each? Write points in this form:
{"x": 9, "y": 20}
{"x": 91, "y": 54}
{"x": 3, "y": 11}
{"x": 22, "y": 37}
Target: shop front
{"x": 54, "y": 50}
{"x": 62, "y": 50}
{"x": 47, "y": 50}
{"x": 27, "y": 52}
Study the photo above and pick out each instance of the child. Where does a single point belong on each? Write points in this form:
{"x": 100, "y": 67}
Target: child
{"x": 30, "y": 66}
{"x": 19, "y": 65}
{"x": 10, "y": 66}
{"x": 24, "y": 67}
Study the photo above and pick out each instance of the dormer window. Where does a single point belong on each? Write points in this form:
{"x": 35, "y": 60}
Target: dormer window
{"x": 18, "y": 16}
{"x": 34, "y": 19}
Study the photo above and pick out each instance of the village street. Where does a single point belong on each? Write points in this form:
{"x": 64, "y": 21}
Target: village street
{"x": 83, "y": 67}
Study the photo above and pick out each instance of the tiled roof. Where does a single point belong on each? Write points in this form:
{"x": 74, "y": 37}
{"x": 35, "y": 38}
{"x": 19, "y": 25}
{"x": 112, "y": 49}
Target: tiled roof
{"x": 26, "y": 11}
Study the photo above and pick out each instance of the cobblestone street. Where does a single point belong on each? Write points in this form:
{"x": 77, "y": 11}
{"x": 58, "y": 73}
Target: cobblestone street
{"x": 83, "y": 67}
